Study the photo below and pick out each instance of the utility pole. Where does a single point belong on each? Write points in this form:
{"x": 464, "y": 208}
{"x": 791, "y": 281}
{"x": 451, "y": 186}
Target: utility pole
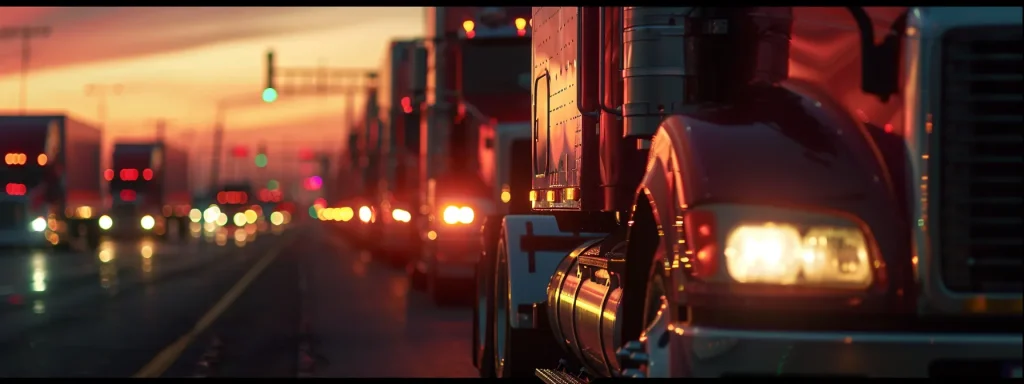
{"x": 161, "y": 130}
{"x": 320, "y": 81}
{"x": 100, "y": 92}
{"x": 26, "y": 34}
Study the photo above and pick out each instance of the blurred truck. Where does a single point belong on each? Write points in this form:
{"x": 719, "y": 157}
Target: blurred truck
{"x": 53, "y": 191}
{"x": 397, "y": 191}
{"x": 150, "y": 191}
{"x": 479, "y": 81}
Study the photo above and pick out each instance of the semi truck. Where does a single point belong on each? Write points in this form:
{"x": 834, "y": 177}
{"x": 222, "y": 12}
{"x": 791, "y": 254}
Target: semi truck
{"x": 823, "y": 191}
{"x": 149, "y": 185}
{"x": 399, "y": 150}
{"x": 478, "y": 81}
{"x": 366, "y": 156}
{"x": 235, "y": 200}
{"x": 51, "y": 173}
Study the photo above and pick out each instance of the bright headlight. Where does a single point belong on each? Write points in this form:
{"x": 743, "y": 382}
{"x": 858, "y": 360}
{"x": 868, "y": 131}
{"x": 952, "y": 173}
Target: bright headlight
{"x": 780, "y": 253}
{"x": 106, "y": 222}
{"x": 147, "y": 222}
{"x": 401, "y": 215}
{"x": 39, "y": 224}
{"x": 365, "y": 214}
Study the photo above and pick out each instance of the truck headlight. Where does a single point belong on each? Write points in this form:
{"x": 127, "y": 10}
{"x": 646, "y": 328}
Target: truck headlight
{"x": 39, "y": 224}
{"x": 105, "y": 222}
{"x": 147, "y": 222}
{"x": 786, "y": 254}
{"x": 779, "y": 246}
{"x": 456, "y": 215}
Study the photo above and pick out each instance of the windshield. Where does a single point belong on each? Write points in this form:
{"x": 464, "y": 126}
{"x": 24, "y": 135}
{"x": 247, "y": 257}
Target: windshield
{"x": 496, "y": 77}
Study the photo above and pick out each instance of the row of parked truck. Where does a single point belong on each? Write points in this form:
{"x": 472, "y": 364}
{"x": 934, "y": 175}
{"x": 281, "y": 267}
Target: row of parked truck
{"x": 58, "y": 194}
{"x": 708, "y": 191}
{"x": 431, "y": 159}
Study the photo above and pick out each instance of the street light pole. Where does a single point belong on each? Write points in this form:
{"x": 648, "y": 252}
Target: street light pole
{"x": 26, "y": 34}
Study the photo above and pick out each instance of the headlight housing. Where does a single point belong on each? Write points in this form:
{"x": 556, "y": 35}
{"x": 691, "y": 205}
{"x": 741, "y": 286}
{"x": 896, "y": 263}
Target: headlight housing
{"x": 458, "y": 215}
{"x": 793, "y": 248}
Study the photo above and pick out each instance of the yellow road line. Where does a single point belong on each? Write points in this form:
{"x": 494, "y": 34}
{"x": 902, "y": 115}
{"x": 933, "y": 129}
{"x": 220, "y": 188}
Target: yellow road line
{"x": 169, "y": 355}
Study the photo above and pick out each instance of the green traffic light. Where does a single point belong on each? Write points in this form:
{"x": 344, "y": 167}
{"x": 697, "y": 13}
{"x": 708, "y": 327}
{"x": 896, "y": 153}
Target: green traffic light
{"x": 269, "y": 95}
{"x": 273, "y": 185}
{"x": 261, "y": 160}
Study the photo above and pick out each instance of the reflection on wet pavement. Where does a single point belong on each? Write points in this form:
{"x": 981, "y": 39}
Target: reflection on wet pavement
{"x": 37, "y": 273}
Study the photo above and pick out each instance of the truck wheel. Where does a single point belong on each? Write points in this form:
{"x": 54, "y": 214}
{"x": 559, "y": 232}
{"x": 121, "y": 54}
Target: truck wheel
{"x": 483, "y": 306}
{"x": 184, "y": 232}
{"x": 442, "y": 291}
{"x": 92, "y": 236}
{"x": 417, "y": 279}
{"x": 517, "y": 352}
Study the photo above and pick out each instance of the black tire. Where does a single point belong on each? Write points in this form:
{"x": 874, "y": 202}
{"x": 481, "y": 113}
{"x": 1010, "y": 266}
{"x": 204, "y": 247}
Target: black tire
{"x": 483, "y": 350}
{"x": 446, "y": 292}
{"x": 417, "y": 279}
{"x": 184, "y": 230}
{"x": 439, "y": 290}
{"x": 525, "y": 350}
{"x": 92, "y": 236}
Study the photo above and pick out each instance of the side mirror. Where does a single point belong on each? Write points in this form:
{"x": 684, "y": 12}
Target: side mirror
{"x": 880, "y": 64}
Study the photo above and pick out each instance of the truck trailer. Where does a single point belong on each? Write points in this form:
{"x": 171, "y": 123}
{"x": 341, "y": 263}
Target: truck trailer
{"x": 149, "y": 185}
{"x": 766, "y": 191}
{"x": 478, "y": 81}
{"x": 51, "y": 173}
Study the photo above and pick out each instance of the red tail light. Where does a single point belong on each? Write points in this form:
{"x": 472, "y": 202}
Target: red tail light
{"x": 127, "y": 195}
{"x": 129, "y": 174}
{"x": 147, "y": 174}
{"x": 406, "y": 104}
{"x": 108, "y": 174}
{"x": 15, "y": 189}
{"x": 232, "y": 197}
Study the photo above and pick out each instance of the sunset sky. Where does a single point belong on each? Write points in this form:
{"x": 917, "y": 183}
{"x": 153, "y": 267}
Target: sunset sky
{"x": 176, "y": 62}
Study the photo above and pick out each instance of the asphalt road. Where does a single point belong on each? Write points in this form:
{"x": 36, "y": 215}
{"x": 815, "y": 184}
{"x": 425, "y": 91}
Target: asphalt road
{"x": 298, "y": 303}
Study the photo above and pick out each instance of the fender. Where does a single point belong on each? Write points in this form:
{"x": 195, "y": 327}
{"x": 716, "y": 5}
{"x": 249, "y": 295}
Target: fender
{"x": 659, "y": 185}
{"x": 781, "y": 149}
{"x": 535, "y": 247}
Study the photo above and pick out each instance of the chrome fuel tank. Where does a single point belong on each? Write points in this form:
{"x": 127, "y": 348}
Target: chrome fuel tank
{"x": 583, "y": 303}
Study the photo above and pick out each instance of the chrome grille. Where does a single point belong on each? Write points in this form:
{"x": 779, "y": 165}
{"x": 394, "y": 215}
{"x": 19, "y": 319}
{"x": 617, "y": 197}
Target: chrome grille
{"x": 981, "y": 160}
{"x": 12, "y": 215}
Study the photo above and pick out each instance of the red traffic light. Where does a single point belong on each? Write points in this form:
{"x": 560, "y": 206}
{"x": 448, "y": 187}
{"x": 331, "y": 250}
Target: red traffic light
{"x": 306, "y": 154}
{"x": 239, "y": 151}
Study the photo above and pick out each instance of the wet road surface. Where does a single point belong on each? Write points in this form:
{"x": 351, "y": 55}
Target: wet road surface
{"x": 300, "y": 303}
{"x": 106, "y": 313}
{"x": 322, "y": 309}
